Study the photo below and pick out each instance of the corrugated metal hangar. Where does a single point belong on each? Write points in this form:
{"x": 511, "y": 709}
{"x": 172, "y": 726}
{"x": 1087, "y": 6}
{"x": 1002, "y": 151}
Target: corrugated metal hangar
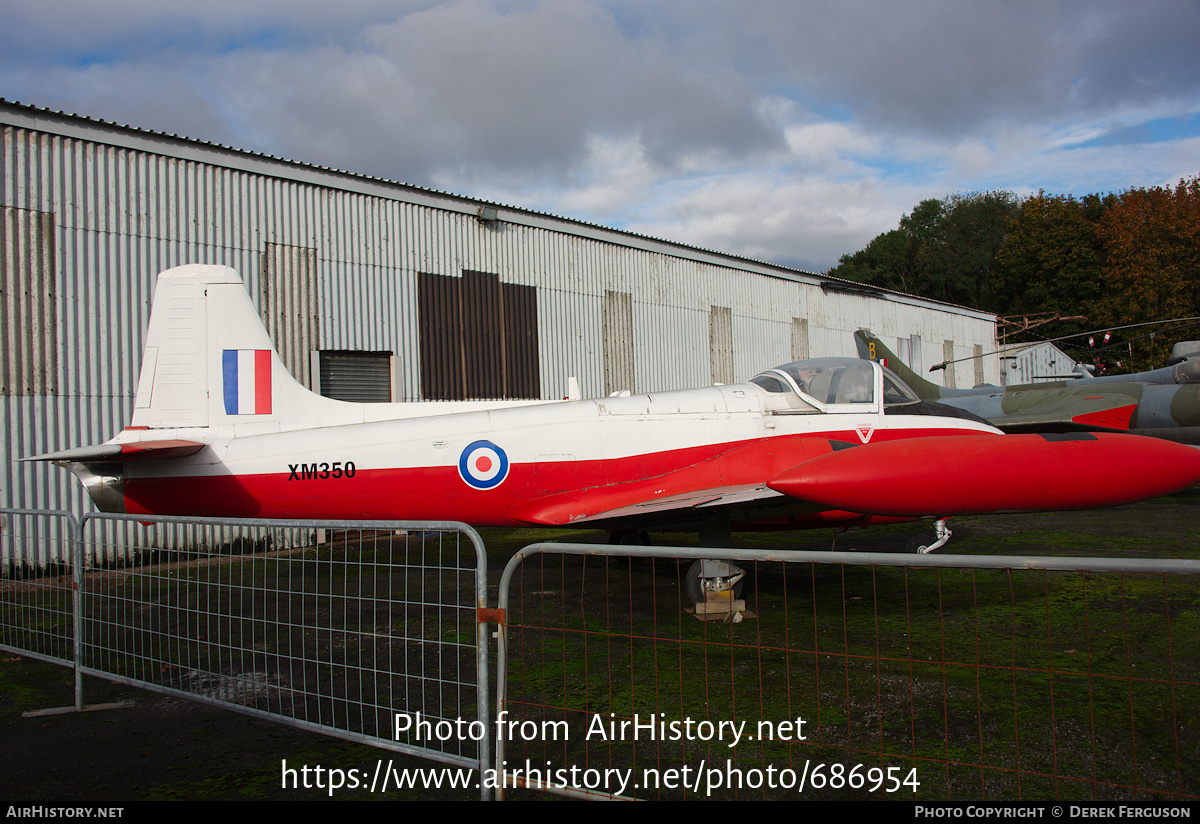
{"x": 374, "y": 290}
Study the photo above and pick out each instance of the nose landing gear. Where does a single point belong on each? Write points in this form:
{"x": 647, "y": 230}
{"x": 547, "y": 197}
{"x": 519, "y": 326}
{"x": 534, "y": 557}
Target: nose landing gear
{"x": 715, "y": 587}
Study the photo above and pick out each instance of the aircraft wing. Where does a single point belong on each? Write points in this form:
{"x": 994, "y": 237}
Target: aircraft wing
{"x": 686, "y": 509}
{"x": 732, "y": 485}
{"x": 1062, "y": 411}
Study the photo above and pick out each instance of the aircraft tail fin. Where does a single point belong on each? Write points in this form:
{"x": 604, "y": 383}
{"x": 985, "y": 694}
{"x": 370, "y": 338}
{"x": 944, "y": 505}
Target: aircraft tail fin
{"x": 209, "y": 361}
{"x": 870, "y": 347}
{"x": 208, "y": 365}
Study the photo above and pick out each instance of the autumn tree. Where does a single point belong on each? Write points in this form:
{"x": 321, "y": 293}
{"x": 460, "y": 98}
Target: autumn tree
{"x": 1115, "y": 259}
{"x": 943, "y": 249}
{"x": 973, "y": 232}
{"x": 1053, "y": 259}
{"x": 1152, "y": 240}
{"x": 891, "y": 259}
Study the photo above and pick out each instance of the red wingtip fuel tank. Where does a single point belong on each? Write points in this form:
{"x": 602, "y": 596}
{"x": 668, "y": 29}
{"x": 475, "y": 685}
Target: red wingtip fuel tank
{"x": 978, "y": 474}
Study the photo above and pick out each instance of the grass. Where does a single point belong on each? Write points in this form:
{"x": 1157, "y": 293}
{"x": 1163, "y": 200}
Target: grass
{"x": 989, "y": 684}
{"x": 999, "y": 685}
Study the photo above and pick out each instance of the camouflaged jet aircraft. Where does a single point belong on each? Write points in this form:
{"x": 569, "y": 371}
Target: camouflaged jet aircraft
{"x": 1163, "y": 403}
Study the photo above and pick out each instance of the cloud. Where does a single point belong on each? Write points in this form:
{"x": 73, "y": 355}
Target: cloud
{"x": 465, "y": 87}
{"x": 527, "y": 90}
{"x": 947, "y": 67}
{"x": 75, "y": 32}
{"x": 793, "y": 132}
{"x": 803, "y": 222}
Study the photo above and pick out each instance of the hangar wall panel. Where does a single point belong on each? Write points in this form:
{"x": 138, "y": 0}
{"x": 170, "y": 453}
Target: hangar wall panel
{"x": 618, "y": 342}
{"x": 28, "y": 310}
{"x": 720, "y": 344}
{"x": 288, "y": 305}
{"x": 799, "y": 339}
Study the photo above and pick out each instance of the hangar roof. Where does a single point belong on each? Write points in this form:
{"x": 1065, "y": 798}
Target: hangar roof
{"x": 81, "y": 127}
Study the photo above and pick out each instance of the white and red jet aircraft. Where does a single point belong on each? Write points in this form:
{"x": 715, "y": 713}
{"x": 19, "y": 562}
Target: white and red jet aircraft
{"x": 220, "y": 428}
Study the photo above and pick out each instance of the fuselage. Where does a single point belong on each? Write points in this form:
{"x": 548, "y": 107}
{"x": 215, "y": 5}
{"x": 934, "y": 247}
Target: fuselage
{"x": 220, "y": 427}
{"x": 484, "y": 466}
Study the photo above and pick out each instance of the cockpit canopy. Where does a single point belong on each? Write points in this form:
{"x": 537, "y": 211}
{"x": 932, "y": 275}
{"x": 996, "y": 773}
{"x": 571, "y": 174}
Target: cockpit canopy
{"x": 835, "y": 381}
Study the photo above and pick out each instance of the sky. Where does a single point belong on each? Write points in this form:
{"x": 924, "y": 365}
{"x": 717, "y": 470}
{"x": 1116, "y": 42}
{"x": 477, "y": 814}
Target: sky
{"x": 787, "y": 131}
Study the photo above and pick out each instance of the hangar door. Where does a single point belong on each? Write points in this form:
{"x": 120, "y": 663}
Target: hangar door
{"x": 478, "y": 338}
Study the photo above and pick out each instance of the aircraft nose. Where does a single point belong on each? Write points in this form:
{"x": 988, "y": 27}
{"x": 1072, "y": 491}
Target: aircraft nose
{"x": 979, "y": 474}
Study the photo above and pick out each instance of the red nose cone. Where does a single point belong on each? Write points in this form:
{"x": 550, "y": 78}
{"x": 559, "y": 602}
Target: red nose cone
{"x": 976, "y": 474}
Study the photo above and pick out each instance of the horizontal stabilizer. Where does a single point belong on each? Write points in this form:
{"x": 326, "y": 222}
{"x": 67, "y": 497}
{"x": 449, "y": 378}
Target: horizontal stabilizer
{"x": 119, "y": 452}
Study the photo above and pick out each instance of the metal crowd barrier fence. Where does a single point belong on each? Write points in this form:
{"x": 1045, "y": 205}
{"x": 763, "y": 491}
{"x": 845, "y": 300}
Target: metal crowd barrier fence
{"x": 857, "y": 675}
{"x": 39, "y": 607}
{"x": 853, "y": 675}
{"x": 351, "y": 629}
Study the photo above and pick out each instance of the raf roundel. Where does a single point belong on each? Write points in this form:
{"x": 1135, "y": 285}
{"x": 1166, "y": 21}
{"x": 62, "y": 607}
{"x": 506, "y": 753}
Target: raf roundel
{"x": 483, "y": 465}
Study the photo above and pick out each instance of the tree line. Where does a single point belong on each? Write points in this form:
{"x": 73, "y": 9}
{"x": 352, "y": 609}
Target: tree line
{"x": 1114, "y": 259}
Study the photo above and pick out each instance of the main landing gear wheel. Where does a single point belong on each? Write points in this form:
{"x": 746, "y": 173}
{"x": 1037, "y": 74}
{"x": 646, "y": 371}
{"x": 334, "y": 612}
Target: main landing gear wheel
{"x": 694, "y": 582}
{"x": 623, "y": 537}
